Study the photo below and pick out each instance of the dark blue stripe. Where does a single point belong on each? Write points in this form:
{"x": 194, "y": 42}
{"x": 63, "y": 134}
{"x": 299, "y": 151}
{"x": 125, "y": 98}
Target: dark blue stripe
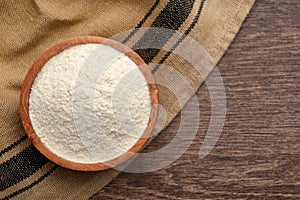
{"x": 171, "y": 17}
{"x": 13, "y": 145}
{"x": 21, "y": 166}
{"x": 28, "y": 187}
{"x": 141, "y": 22}
{"x": 180, "y": 39}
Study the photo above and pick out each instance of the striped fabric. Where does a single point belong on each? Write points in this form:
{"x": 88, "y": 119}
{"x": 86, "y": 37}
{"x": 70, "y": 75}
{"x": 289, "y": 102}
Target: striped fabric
{"x": 30, "y": 27}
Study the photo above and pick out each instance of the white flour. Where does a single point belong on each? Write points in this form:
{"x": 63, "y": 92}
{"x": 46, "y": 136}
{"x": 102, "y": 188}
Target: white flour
{"x": 89, "y": 104}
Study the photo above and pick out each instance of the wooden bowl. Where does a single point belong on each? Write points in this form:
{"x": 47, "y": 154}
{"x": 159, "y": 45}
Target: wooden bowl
{"x": 37, "y": 66}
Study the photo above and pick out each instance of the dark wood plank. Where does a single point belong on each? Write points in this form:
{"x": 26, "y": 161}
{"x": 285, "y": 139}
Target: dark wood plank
{"x": 258, "y": 154}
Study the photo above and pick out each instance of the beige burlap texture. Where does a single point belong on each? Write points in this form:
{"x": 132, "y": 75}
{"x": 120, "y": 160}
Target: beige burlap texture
{"x": 30, "y": 27}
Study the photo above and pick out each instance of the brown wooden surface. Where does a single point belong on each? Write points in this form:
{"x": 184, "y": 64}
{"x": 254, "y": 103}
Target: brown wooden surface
{"x": 258, "y": 153}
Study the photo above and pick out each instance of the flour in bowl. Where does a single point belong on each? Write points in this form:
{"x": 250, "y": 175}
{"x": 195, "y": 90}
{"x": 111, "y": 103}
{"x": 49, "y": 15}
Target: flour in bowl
{"x": 89, "y": 104}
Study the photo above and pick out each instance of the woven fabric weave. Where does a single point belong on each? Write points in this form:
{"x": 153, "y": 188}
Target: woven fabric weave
{"x": 30, "y": 27}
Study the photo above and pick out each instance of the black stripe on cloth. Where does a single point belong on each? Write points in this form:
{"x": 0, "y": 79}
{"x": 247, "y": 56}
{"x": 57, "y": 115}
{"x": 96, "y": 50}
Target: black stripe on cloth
{"x": 175, "y": 9}
{"x": 171, "y": 17}
{"x": 142, "y": 21}
{"x": 180, "y": 39}
{"x": 13, "y": 145}
{"x": 28, "y": 187}
{"x": 21, "y": 166}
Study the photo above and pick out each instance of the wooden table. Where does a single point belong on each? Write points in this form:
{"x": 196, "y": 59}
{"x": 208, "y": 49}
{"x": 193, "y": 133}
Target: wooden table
{"x": 258, "y": 153}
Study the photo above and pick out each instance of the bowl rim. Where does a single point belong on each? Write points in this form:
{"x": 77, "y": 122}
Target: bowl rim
{"x": 38, "y": 65}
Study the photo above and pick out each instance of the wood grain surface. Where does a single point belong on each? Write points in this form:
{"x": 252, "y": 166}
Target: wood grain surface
{"x": 258, "y": 153}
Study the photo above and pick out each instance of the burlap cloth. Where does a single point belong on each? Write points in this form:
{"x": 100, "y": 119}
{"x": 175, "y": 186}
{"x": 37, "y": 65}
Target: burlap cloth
{"x": 29, "y": 27}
